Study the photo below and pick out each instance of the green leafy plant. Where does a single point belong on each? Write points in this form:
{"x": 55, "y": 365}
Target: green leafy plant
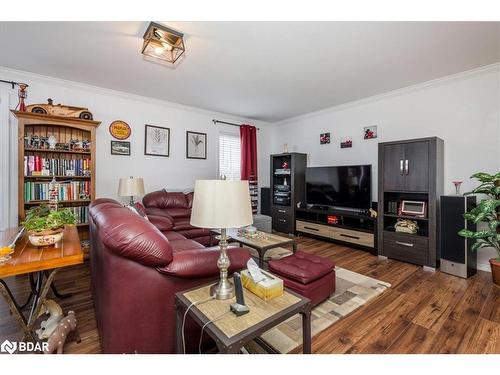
{"x": 487, "y": 211}
{"x": 39, "y": 219}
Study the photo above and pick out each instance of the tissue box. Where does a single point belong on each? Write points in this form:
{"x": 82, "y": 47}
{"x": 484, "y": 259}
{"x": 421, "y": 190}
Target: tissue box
{"x": 267, "y": 289}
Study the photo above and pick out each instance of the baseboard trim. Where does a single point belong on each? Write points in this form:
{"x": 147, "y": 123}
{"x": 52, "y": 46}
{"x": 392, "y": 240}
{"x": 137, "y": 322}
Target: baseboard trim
{"x": 483, "y": 267}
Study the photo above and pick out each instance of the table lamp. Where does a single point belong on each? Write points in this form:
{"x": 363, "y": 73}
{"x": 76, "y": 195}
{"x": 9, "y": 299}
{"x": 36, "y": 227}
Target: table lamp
{"x": 221, "y": 204}
{"x": 130, "y": 187}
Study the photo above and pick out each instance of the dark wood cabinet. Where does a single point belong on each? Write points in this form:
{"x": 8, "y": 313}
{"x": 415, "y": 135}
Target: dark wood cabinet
{"x": 287, "y": 189}
{"x": 410, "y": 170}
{"x": 406, "y": 166}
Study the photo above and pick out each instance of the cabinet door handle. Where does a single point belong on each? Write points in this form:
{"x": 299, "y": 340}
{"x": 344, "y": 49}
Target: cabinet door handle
{"x": 282, "y": 211}
{"x": 404, "y": 244}
{"x": 315, "y": 229}
{"x": 282, "y": 220}
{"x": 406, "y": 166}
{"x": 349, "y": 236}
{"x": 401, "y": 168}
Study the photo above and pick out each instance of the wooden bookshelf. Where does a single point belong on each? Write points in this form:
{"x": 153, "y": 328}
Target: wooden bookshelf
{"x": 64, "y": 130}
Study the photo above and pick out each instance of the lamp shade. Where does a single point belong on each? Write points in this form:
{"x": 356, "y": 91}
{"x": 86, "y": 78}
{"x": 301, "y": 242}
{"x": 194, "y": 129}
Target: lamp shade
{"x": 221, "y": 204}
{"x": 130, "y": 187}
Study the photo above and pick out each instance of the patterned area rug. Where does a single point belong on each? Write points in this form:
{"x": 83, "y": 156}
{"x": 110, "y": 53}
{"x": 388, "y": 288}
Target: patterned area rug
{"x": 353, "y": 290}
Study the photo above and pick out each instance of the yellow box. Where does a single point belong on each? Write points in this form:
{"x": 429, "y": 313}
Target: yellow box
{"x": 267, "y": 289}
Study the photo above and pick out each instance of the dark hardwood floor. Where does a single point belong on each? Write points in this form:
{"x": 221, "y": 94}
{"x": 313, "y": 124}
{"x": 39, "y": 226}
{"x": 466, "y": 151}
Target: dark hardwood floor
{"x": 423, "y": 312}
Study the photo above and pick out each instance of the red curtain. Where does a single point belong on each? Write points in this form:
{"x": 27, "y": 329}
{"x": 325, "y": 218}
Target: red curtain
{"x": 248, "y": 139}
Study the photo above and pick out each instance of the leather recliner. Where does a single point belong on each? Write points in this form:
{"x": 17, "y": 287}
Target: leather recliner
{"x": 136, "y": 271}
{"x": 175, "y": 209}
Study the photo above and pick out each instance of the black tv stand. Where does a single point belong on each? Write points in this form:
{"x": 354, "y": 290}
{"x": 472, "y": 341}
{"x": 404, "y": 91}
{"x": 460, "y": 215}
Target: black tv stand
{"x": 350, "y": 227}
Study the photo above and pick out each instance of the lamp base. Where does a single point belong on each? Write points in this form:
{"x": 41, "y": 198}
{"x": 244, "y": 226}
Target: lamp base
{"x": 222, "y": 290}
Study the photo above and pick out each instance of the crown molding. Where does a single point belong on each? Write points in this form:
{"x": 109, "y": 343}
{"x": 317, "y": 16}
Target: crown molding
{"x": 394, "y": 93}
{"x": 43, "y": 79}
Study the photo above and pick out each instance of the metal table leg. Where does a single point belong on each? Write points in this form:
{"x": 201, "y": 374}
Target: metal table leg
{"x": 306, "y": 331}
{"x": 178, "y": 328}
{"x": 40, "y": 292}
{"x": 14, "y": 308}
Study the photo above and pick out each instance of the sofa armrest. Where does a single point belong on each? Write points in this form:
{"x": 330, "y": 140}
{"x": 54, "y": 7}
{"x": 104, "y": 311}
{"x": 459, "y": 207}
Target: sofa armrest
{"x": 203, "y": 262}
{"x": 163, "y": 223}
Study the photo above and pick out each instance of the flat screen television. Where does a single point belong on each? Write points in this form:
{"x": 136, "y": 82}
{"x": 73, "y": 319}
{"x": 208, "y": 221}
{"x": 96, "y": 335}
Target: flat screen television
{"x": 339, "y": 187}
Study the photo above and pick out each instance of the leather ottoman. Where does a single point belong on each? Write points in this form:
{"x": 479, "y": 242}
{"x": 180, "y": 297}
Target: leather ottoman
{"x": 309, "y": 275}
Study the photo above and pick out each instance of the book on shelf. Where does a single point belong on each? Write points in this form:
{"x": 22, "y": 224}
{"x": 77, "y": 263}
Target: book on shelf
{"x": 74, "y": 190}
{"x": 81, "y": 214}
{"x": 35, "y": 165}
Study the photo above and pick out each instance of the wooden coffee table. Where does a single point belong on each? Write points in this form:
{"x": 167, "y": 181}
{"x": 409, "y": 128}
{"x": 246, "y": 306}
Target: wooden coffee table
{"x": 262, "y": 244}
{"x": 231, "y": 332}
{"x": 39, "y": 263}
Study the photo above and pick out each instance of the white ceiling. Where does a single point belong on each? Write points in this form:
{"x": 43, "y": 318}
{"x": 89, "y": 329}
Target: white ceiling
{"x": 262, "y": 70}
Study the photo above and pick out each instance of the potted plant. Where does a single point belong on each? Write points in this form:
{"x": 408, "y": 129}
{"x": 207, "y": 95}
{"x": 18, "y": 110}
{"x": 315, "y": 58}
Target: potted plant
{"x": 488, "y": 212}
{"x": 45, "y": 226}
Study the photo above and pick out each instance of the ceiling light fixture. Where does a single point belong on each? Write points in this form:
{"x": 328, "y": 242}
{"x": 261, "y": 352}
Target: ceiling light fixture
{"x": 163, "y": 43}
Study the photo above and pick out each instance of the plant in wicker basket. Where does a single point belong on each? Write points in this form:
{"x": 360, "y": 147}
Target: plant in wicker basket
{"x": 45, "y": 226}
{"x": 487, "y": 212}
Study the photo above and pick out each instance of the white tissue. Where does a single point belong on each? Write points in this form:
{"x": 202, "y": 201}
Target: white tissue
{"x": 255, "y": 272}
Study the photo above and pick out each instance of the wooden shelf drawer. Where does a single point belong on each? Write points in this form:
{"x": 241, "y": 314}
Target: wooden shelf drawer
{"x": 406, "y": 247}
{"x": 313, "y": 228}
{"x": 353, "y": 236}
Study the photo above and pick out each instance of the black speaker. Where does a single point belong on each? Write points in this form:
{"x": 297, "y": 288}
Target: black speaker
{"x": 265, "y": 201}
{"x": 456, "y": 255}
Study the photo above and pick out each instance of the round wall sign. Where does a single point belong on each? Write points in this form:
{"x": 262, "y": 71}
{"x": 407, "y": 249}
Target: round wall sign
{"x": 120, "y": 129}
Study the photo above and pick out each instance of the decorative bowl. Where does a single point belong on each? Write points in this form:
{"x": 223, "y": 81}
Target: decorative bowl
{"x": 46, "y": 237}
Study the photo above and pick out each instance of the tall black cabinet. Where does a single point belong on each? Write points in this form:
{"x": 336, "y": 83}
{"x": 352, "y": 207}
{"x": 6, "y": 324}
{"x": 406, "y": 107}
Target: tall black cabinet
{"x": 411, "y": 171}
{"x": 287, "y": 189}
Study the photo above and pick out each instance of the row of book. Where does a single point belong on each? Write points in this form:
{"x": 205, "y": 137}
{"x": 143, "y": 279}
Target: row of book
{"x": 73, "y": 190}
{"x": 35, "y": 165}
{"x": 81, "y": 214}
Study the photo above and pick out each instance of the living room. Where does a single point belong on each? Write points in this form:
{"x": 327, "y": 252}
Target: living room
{"x": 167, "y": 188}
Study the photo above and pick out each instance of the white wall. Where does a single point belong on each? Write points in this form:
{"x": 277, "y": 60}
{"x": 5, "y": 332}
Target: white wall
{"x": 463, "y": 110}
{"x": 175, "y": 172}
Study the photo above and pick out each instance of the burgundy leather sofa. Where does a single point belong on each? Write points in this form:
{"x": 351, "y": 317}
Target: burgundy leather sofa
{"x": 174, "y": 209}
{"x": 136, "y": 270}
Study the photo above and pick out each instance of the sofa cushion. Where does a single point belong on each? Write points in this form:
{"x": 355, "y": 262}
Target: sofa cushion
{"x": 161, "y": 222}
{"x": 155, "y": 199}
{"x": 185, "y": 244}
{"x": 194, "y": 232}
{"x": 302, "y": 267}
{"x": 173, "y": 236}
{"x": 179, "y": 213}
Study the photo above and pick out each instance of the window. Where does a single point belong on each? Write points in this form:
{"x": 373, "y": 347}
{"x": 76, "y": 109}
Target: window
{"x": 229, "y": 156}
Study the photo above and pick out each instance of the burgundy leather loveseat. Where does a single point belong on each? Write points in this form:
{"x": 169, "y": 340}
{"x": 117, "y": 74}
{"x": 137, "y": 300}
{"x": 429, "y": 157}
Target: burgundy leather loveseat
{"x": 136, "y": 270}
{"x": 175, "y": 209}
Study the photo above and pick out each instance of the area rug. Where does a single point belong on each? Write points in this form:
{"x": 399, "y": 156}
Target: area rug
{"x": 353, "y": 290}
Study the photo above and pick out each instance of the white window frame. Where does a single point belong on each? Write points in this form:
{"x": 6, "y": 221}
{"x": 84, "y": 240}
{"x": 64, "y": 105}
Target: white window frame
{"x": 5, "y": 150}
{"x": 221, "y": 132}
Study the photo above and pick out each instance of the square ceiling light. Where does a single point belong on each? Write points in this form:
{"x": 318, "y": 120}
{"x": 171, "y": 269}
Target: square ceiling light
{"x": 163, "y": 43}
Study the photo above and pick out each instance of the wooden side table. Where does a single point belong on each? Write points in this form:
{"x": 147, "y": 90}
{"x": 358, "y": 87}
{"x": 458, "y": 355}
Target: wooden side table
{"x": 43, "y": 262}
{"x": 230, "y": 332}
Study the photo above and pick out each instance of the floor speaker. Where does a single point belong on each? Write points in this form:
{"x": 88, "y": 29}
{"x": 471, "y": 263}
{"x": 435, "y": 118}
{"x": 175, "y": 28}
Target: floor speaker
{"x": 456, "y": 255}
{"x": 265, "y": 201}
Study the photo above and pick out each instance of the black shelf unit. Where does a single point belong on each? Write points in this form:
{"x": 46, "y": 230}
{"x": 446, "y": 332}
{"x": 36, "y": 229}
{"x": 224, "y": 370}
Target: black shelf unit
{"x": 410, "y": 170}
{"x": 287, "y": 189}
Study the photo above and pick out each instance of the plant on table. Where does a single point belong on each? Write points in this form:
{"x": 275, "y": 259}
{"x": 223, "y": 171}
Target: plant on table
{"x": 40, "y": 220}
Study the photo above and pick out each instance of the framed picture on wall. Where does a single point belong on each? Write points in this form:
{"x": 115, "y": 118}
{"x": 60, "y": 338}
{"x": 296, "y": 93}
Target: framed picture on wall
{"x": 196, "y": 145}
{"x": 157, "y": 141}
{"x": 120, "y": 148}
